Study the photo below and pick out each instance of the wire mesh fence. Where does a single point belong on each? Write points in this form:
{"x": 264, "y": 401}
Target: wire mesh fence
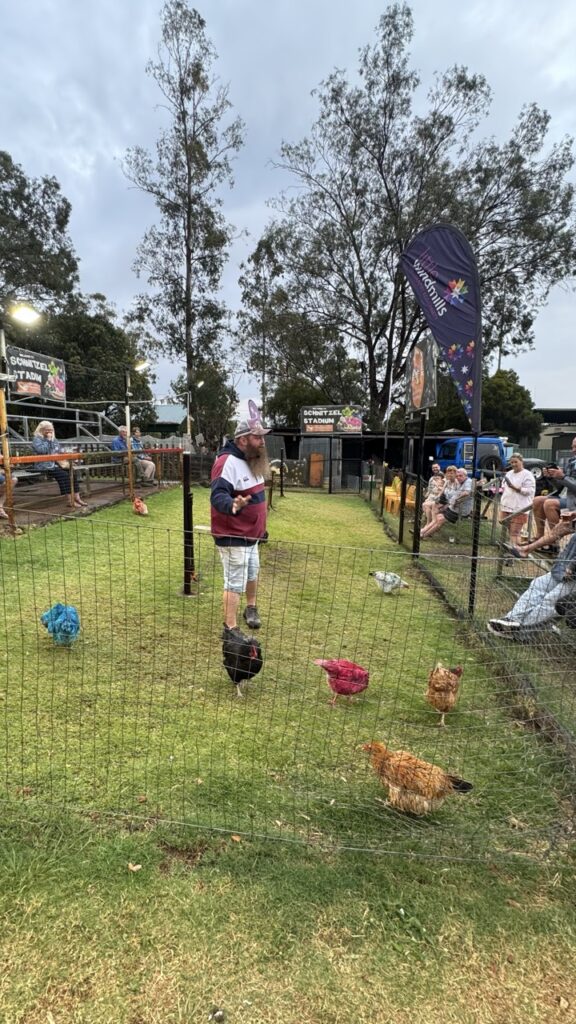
{"x": 138, "y": 718}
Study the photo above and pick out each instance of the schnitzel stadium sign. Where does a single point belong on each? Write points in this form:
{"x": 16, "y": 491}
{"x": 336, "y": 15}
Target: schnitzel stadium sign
{"x": 331, "y": 419}
{"x": 36, "y": 375}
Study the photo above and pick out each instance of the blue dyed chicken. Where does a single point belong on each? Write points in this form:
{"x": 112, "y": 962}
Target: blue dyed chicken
{"x": 63, "y": 622}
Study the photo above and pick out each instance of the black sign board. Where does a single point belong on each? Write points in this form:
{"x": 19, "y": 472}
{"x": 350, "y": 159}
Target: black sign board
{"x": 36, "y": 375}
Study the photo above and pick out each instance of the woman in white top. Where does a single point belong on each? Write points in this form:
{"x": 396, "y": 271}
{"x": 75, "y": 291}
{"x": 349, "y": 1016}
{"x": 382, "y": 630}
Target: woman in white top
{"x": 518, "y": 489}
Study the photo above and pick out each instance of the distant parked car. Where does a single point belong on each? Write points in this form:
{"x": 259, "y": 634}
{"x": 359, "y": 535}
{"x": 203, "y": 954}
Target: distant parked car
{"x": 458, "y": 451}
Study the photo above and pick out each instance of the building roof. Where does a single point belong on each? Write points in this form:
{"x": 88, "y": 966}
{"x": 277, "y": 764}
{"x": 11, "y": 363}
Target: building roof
{"x": 560, "y": 416}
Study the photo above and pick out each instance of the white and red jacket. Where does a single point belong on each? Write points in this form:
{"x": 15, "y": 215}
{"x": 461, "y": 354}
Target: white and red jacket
{"x": 231, "y": 476}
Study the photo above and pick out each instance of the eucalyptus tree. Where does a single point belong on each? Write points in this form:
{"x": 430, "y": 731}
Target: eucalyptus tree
{"x": 383, "y": 161}
{"x": 183, "y": 254}
{"x": 213, "y": 400}
{"x": 37, "y": 259}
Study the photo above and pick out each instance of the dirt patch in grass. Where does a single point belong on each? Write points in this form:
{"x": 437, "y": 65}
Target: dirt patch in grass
{"x": 188, "y": 857}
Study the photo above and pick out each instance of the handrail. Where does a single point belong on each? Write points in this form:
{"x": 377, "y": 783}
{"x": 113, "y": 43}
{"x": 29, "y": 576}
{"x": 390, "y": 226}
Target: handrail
{"x": 21, "y": 460}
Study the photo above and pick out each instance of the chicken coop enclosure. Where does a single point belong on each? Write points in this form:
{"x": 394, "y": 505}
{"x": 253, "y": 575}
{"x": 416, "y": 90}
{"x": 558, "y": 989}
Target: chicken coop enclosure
{"x": 136, "y": 717}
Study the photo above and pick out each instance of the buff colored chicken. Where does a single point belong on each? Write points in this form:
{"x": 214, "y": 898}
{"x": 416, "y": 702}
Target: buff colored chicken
{"x": 443, "y": 687}
{"x": 414, "y": 786}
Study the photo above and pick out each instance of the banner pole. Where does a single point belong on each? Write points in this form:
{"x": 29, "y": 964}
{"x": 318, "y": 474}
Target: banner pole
{"x": 420, "y": 470}
{"x": 475, "y": 531}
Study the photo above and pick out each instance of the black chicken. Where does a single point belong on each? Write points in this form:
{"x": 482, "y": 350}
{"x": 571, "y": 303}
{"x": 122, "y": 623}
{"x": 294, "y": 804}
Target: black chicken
{"x": 242, "y": 656}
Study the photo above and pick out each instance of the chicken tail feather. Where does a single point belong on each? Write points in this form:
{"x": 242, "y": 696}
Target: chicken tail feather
{"x": 460, "y": 785}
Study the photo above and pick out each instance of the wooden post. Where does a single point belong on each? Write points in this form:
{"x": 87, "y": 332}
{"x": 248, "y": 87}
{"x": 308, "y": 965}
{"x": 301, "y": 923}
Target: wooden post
{"x": 7, "y": 470}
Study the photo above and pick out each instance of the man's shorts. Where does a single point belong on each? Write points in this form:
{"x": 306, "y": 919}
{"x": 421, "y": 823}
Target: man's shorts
{"x": 241, "y": 564}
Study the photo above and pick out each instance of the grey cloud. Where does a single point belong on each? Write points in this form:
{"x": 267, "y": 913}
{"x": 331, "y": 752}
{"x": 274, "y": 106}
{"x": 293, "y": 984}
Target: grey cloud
{"x": 74, "y": 96}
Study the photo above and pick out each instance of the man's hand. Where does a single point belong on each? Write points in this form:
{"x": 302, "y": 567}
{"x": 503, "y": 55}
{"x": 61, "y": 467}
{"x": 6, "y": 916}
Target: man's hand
{"x": 239, "y": 503}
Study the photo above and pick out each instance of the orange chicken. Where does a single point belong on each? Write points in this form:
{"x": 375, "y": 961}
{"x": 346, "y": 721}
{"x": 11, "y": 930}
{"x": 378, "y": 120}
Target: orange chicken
{"x": 443, "y": 686}
{"x": 414, "y": 786}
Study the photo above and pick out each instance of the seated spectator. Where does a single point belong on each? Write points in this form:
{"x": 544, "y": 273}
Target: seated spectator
{"x": 549, "y": 543}
{"x": 537, "y": 605}
{"x": 44, "y": 443}
{"x": 143, "y": 466}
{"x": 3, "y": 512}
{"x": 433, "y": 491}
{"x": 518, "y": 489}
{"x": 547, "y": 508}
{"x": 455, "y": 501}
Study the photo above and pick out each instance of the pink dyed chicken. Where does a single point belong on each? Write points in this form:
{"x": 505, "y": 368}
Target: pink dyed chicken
{"x": 344, "y": 677}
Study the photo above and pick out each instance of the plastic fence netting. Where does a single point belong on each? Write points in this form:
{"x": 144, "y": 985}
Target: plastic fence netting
{"x": 137, "y": 716}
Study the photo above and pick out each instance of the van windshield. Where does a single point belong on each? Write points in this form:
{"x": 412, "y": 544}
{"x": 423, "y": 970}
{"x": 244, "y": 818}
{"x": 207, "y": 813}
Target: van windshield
{"x": 448, "y": 450}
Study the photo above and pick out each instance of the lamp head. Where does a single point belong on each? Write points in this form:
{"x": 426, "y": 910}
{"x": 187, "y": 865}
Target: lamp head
{"x": 24, "y": 314}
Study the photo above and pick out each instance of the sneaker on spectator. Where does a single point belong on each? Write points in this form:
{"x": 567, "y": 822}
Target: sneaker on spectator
{"x": 503, "y": 626}
{"x": 251, "y": 617}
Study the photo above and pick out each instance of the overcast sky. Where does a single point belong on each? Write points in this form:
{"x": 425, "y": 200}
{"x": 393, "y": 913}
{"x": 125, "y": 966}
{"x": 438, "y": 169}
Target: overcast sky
{"x": 74, "y": 96}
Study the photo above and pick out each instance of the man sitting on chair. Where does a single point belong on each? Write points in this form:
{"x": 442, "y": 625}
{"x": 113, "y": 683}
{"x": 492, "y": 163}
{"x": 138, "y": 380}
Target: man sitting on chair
{"x": 143, "y": 466}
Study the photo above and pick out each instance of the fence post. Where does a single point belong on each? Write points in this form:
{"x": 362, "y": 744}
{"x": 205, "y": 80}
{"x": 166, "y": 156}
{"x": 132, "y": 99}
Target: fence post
{"x": 475, "y": 531}
{"x": 282, "y": 453}
{"x": 420, "y": 471}
{"x": 187, "y": 518}
{"x": 330, "y": 467}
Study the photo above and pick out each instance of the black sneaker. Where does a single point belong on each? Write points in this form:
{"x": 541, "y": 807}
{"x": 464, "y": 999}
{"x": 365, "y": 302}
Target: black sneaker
{"x": 251, "y": 617}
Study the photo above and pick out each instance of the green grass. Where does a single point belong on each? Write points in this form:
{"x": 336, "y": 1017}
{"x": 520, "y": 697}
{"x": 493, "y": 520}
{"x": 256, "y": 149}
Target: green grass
{"x": 547, "y": 661}
{"x": 273, "y": 934}
{"x": 106, "y": 746}
{"x": 139, "y": 718}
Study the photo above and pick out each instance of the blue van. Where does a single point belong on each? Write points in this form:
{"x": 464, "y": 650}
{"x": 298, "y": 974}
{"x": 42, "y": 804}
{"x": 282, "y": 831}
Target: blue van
{"x": 493, "y": 453}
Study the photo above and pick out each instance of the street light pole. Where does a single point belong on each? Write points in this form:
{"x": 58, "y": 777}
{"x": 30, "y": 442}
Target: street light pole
{"x": 188, "y": 416}
{"x": 127, "y": 397}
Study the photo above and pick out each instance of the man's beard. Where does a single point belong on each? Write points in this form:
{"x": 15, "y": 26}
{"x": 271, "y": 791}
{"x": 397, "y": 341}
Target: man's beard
{"x": 259, "y": 464}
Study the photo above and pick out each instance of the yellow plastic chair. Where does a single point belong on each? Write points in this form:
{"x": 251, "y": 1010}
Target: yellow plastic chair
{"x": 392, "y": 497}
{"x": 410, "y": 496}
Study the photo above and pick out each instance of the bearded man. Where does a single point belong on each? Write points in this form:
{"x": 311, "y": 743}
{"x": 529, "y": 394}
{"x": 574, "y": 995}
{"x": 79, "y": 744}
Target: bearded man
{"x": 238, "y": 517}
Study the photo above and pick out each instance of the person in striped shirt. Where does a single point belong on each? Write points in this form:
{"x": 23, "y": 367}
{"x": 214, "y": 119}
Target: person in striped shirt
{"x": 238, "y": 517}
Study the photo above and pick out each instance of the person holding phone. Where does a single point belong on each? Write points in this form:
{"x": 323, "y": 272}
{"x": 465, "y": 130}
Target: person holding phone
{"x": 518, "y": 490}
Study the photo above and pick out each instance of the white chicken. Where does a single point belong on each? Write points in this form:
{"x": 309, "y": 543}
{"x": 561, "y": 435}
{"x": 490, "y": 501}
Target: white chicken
{"x": 389, "y": 581}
